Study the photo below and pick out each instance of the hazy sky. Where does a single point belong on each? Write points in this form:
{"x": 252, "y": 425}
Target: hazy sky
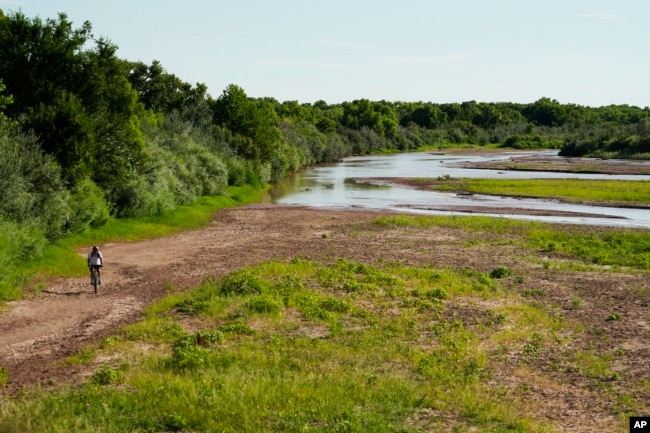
{"x": 587, "y": 52}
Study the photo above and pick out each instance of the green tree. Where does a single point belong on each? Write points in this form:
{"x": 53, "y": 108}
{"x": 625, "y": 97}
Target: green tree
{"x": 253, "y": 123}
{"x": 78, "y": 101}
{"x": 161, "y": 91}
{"x": 546, "y": 112}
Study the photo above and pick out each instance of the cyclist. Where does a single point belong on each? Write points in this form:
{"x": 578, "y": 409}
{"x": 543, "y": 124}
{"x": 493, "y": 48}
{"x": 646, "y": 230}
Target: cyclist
{"x": 95, "y": 260}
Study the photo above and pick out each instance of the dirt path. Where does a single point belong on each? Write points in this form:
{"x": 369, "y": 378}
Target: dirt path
{"x": 36, "y": 334}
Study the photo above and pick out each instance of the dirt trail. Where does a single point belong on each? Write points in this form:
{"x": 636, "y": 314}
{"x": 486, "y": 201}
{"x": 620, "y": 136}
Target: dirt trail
{"x": 35, "y": 334}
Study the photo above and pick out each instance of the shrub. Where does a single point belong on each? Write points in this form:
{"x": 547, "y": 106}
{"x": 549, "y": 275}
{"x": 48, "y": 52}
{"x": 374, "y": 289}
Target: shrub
{"x": 500, "y": 272}
{"x": 190, "y": 351}
{"x": 87, "y": 207}
{"x": 107, "y": 376}
{"x": 264, "y": 305}
{"x": 242, "y": 283}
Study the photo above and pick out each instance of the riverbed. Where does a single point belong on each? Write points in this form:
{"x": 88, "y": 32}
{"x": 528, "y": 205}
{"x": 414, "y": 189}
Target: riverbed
{"x": 352, "y": 183}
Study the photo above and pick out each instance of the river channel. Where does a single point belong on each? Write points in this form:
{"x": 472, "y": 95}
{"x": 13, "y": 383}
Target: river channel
{"x": 341, "y": 185}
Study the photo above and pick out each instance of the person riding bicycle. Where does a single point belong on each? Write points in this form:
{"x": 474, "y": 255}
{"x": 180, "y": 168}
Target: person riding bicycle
{"x": 95, "y": 261}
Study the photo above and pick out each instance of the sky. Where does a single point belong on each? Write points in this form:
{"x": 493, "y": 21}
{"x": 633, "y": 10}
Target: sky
{"x": 585, "y": 52}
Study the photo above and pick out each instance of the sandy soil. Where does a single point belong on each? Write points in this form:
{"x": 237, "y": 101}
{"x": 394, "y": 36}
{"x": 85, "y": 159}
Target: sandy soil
{"x": 37, "y": 333}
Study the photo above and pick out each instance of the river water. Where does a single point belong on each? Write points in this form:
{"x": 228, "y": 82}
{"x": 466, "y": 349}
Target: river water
{"x": 335, "y": 186}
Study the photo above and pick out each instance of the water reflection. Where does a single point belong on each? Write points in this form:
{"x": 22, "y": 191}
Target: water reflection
{"x": 335, "y": 186}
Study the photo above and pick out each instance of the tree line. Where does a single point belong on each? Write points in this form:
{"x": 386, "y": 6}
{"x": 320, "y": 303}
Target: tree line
{"x": 85, "y": 135}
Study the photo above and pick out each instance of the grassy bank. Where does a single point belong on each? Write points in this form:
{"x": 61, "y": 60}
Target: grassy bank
{"x": 62, "y": 259}
{"x": 616, "y": 192}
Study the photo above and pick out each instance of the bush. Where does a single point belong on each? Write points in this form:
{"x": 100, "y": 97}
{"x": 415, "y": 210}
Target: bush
{"x": 243, "y": 283}
{"x": 264, "y": 305}
{"x": 500, "y": 272}
{"x": 31, "y": 189}
{"x": 88, "y": 207}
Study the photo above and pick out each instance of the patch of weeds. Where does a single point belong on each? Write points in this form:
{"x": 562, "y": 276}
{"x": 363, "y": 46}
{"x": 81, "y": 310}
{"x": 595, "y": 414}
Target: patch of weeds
{"x": 576, "y": 303}
{"x": 237, "y": 328}
{"x": 479, "y": 280}
{"x": 264, "y": 305}
{"x": 190, "y": 351}
{"x": 242, "y": 283}
{"x": 84, "y": 357}
{"x": 173, "y": 421}
{"x": 168, "y": 286}
{"x": 549, "y": 247}
{"x": 500, "y": 272}
{"x": 185, "y": 358}
{"x": 314, "y": 307}
{"x": 524, "y": 388}
{"x": 534, "y": 293}
{"x": 111, "y": 342}
{"x": 335, "y": 305}
{"x": 436, "y": 294}
{"x": 495, "y": 318}
{"x": 533, "y": 347}
{"x": 108, "y": 376}
{"x": 191, "y": 306}
{"x": 614, "y": 317}
{"x": 4, "y": 376}
{"x": 288, "y": 284}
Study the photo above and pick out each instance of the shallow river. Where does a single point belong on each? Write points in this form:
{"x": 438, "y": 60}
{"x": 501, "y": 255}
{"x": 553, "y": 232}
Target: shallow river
{"x": 335, "y": 186}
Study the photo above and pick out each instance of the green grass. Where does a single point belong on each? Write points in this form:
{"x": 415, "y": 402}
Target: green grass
{"x": 600, "y": 246}
{"x": 341, "y": 347}
{"x": 61, "y": 258}
{"x": 574, "y": 190}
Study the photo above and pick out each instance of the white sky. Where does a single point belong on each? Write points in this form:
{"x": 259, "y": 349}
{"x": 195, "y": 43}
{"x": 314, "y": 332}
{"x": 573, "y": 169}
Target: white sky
{"x": 587, "y": 52}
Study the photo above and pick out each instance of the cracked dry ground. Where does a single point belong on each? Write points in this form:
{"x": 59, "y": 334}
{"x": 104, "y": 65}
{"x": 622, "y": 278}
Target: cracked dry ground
{"x": 37, "y": 333}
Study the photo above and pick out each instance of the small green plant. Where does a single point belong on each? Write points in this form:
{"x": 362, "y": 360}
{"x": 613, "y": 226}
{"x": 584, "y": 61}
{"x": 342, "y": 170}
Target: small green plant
{"x": 172, "y": 422}
{"x": 243, "y": 283}
{"x": 4, "y": 376}
{"x": 190, "y": 352}
{"x": 436, "y": 294}
{"x": 614, "y": 316}
{"x": 107, "y": 376}
{"x": 264, "y": 305}
{"x": 237, "y": 328}
{"x": 576, "y": 302}
{"x": 500, "y": 272}
{"x": 531, "y": 348}
{"x": 191, "y": 306}
{"x": 534, "y": 293}
{"x": 551, "y": 246}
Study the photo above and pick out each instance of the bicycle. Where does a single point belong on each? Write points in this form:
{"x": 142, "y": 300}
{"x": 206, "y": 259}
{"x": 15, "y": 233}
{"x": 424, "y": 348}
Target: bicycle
{"x": 95, "y": 277}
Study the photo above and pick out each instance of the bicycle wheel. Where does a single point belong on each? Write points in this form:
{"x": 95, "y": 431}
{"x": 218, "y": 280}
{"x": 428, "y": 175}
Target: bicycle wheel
{"x": 95, "y": 280}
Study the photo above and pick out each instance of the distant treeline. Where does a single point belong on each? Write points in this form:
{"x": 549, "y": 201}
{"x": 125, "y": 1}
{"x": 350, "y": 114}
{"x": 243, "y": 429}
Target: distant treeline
{"x": 85, "y": 135}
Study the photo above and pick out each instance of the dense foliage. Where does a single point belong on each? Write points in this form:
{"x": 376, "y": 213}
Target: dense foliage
{"x": 85, "y": 135}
